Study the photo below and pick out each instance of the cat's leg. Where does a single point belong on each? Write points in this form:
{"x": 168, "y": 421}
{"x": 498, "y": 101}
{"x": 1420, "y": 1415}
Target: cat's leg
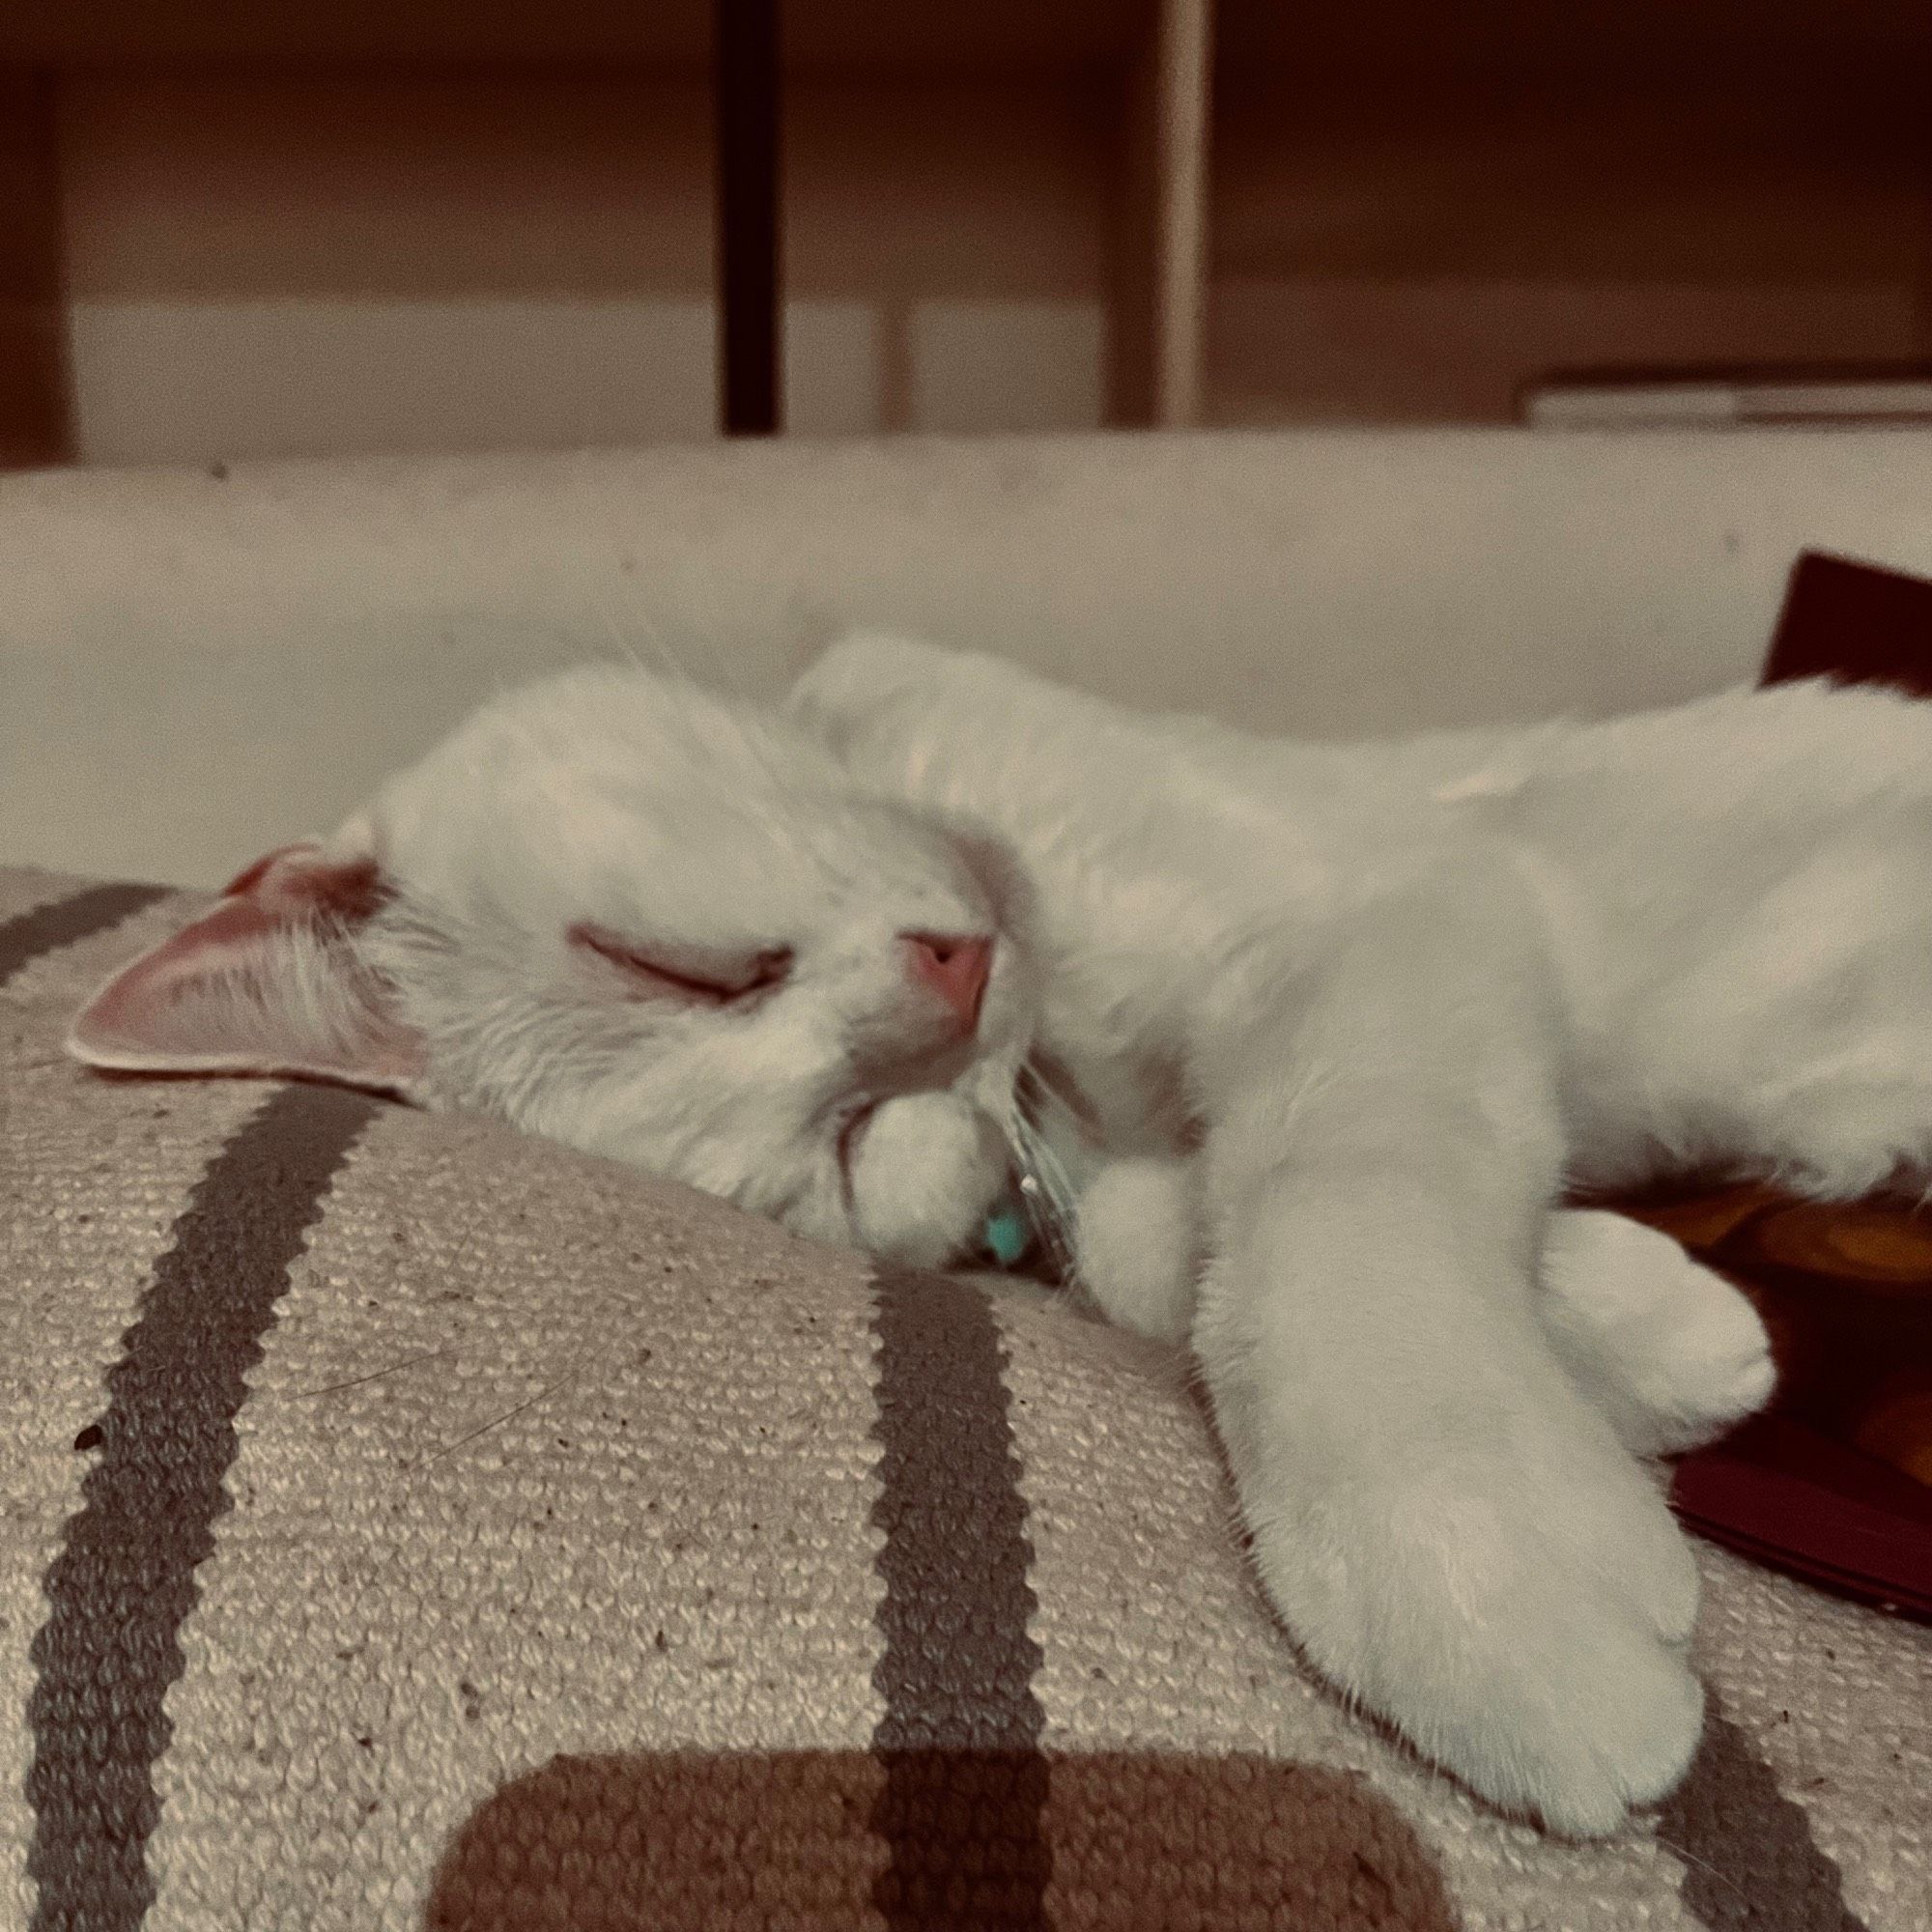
{"x": 923, "y": 1177}
{"x": 1137, "y": 1244}
{"x": 1450, "y": 1529}
{"x": 1667, "y": 1349}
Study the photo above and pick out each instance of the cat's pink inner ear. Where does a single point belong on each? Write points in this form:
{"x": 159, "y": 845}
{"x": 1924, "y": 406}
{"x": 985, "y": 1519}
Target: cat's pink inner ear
{"x": 268, "y": 980}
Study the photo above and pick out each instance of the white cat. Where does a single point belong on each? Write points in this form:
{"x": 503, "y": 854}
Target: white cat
{"x": 1295, "y": 1046}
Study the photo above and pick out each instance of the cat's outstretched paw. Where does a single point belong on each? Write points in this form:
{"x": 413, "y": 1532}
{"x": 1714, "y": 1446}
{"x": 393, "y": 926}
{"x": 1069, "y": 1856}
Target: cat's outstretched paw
{"x": 1522, "y": 1621}
{"x": 923, "y": 1172}
{"x": 1668, "y": 1350}
{"x": 1137, "y": 1245}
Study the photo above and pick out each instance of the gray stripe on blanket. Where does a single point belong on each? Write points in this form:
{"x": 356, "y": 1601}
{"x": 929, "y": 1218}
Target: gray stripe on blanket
{"x": 1751, "y": 1859}
{"x": 67, "y": 922}
{"x": 966, "y": 1783}
{"x": 125, "y": 1580}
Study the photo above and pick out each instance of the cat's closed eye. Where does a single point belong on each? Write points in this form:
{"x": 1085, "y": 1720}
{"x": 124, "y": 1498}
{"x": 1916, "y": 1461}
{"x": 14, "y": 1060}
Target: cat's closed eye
{"x": 669, "y": 969}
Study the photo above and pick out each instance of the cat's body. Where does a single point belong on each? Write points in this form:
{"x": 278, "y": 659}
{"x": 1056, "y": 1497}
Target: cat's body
{"x": 1317, "y": 1036}
{"x": 1724, "y": 899}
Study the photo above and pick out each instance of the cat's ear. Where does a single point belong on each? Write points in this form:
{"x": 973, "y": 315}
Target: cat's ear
{"x": 270, "y": 979}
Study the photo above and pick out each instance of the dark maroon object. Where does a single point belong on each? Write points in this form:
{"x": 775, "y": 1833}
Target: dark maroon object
{"x": 1791, "y": 1488}
{"x": 1854, "y": 622}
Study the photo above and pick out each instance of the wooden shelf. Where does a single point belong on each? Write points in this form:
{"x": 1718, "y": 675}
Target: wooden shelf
{"x": 864, "y": 36}
{"x": 1405, "y": 250}
{"x": 1011, "y": 214}
{"x": 994, "y": 217}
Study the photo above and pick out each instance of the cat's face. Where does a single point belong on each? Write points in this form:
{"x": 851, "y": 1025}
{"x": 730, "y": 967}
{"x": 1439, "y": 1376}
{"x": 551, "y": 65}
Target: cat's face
{"x": 666, "y": 928}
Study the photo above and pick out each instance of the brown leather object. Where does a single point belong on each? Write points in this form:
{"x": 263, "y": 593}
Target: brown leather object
{"x": 1835, "y": 1483}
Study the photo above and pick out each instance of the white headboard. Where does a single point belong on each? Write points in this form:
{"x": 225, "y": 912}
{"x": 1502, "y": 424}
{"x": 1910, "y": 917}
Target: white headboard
{"x": 196, "y": 666}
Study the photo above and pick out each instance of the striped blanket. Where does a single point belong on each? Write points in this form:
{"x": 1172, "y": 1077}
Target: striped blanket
{"x": 410, "y": 1526}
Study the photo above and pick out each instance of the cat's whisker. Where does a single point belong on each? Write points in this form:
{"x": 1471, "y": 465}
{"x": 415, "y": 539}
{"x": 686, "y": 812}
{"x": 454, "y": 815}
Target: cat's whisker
{"x": 633, "y": 623}
{"x": 1692, "y": 1857}
{"x": 374, "y": 1376}
{"x": 1047, "y": 1191}
{"x": 495, "y": 1422}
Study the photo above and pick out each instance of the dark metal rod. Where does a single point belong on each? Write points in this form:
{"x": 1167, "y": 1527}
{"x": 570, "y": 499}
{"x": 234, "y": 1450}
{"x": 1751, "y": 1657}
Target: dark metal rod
{"x": 37, "y": 414}
{"x": 749, "y": 283}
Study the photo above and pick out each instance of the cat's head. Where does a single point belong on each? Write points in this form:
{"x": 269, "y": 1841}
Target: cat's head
{"x": 652, "y": 923}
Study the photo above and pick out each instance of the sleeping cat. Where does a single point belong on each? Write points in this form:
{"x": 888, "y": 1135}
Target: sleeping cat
{"x": 1286, "y": 1050}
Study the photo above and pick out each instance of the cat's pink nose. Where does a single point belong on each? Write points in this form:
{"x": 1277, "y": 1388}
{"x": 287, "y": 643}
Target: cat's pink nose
{"x": 954, "y": 965}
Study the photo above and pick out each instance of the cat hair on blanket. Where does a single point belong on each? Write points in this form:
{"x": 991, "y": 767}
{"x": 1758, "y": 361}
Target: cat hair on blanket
{"x": 1295, "y": 1049}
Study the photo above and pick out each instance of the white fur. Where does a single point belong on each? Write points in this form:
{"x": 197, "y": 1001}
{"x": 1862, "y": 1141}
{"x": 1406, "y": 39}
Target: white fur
{"x": 1138, "y": 1244}
{"x": 1416, "y": 989}
{"x": 1670, "y": 1354}
{"x": 1309, "y": 1039}
{"x": 657, "y": 811}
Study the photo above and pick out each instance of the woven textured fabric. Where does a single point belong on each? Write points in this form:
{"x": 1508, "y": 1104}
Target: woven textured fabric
{"x": 407, "y": 1524}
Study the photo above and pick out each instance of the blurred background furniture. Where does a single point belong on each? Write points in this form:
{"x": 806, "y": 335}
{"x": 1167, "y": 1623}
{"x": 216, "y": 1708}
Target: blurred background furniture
{"x": 298, "y": 228}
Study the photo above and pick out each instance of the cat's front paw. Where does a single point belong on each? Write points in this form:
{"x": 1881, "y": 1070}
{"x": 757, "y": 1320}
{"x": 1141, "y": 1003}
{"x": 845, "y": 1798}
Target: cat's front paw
{"x": 1523, "y": 1626}
{"x": 1137, "y": 1245}
{"x": 924, "y": 1170}
{"x": 1669, "y": 1352}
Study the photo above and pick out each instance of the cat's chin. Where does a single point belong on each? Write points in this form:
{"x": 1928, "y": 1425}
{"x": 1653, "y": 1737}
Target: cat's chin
{"x": 925, "y": 1174}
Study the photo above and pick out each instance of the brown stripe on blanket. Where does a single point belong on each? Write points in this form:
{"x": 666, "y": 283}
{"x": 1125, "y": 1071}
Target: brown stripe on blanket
{"x": 67, "y": 922}
{"x": 687, "y": 1841}
{"x": 1238, "y": 1843}
{"x": 981, "y": 1829}
{"x": 672, "y": 1841}
{"x": 1751, "y": 1861}
{"x": 955, "y": 1784}
{"x": 124, "y": 1581}
{"x": 965, "y": 1780}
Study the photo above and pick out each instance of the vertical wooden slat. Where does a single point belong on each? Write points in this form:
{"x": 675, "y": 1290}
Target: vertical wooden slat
{"x": 1161, "y": 271}
{"x": 749, "y": 283}
{"x": 1182, "y": 111}
{"x": 36, "y": 412}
